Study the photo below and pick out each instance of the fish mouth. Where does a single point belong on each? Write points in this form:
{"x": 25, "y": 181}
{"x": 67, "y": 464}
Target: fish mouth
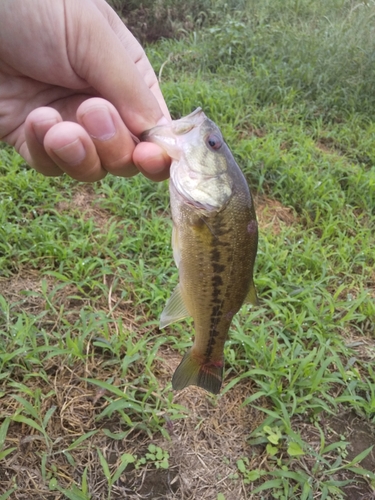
{"x": 170, "y": 135}
{"x": 163, "y": 133}
{"x": 195, "y": 118}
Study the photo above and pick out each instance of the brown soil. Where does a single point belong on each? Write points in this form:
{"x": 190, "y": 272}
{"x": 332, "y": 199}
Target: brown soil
{"x": 272, "y": 214}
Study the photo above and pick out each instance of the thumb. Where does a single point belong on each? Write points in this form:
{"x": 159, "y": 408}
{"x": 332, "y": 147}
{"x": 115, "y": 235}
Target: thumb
{"x": 104, "y": 53}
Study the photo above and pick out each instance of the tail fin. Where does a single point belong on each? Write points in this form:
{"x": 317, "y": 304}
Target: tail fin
{"x": 191, "y": 372}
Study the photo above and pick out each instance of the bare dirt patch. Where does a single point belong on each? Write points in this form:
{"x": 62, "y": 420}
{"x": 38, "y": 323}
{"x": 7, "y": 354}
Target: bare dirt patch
{"x": 85, "y": 201}
{"x": 345, "y": 427}
{"x": 361, "y": 435}
{"x": 207, "y": 445}
{"x": 14, "y": 288}
{"x": 329, "y": 146}
{"x": 272, "y": 214}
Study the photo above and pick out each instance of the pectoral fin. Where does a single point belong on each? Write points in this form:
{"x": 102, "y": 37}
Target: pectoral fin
{"x": 174, "y": 310}
{"x": 251, "y": 297}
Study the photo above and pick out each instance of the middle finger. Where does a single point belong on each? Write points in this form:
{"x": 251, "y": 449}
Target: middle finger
{"x": 113, "y": 141}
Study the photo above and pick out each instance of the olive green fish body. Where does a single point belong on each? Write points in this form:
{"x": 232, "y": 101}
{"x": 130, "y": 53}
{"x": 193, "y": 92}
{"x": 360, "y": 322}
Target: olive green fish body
{"x": 214, "y": 244}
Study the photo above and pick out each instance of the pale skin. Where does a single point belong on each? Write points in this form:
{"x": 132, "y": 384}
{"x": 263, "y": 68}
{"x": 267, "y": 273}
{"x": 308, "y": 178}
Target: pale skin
{"x": 75, "y": 88}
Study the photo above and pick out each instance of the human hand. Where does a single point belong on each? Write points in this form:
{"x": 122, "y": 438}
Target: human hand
{"x": 74, "y": 86}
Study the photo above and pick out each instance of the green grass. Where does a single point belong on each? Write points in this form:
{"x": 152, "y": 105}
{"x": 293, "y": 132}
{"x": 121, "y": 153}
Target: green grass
{"x": 85, "y": 272}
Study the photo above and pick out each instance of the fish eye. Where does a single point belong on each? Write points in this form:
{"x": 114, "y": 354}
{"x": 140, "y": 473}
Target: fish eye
{"x": 214, "y": 141}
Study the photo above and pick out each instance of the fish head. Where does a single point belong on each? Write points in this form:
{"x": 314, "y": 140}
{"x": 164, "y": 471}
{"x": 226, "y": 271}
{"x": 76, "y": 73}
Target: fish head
{"x": 200, "y": 170}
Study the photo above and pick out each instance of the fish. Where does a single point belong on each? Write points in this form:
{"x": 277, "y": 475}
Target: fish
{"x": 214, "y": 242}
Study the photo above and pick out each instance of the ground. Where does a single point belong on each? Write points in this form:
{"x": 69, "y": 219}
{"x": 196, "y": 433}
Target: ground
{"x": 204, "y": 446}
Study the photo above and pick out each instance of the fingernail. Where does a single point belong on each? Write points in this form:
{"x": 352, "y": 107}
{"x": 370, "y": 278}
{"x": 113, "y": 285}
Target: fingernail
{"x": 163, "y": 121}
{"x": 155, "y": 163}
{"x": 72, "y": 154}
{"x": 99, "y": 124}
{"x": 159, "y": 164}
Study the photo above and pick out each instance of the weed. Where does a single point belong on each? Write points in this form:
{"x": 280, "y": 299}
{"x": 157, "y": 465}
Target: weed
{"x": 156, "y": 456}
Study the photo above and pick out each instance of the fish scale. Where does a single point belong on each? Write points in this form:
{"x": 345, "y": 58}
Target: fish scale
{"x": 214, "y": 242}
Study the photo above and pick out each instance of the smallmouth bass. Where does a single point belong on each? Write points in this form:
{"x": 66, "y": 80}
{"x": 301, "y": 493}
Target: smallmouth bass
{"x": 214, "y": 240}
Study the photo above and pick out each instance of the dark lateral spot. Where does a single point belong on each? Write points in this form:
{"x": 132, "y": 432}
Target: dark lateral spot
{"x": 252, "y": 227}
{"x": 216, "y": 311}
{"x": 225, "y": 244}
{"x": 213, "y": 333}
{"x": 220, "y": 231}
{"x": 215, "y": 254}
{"x": 216, "y": 280}
{"x": 215, "y": 292}
{"x": 218, "y": 268}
